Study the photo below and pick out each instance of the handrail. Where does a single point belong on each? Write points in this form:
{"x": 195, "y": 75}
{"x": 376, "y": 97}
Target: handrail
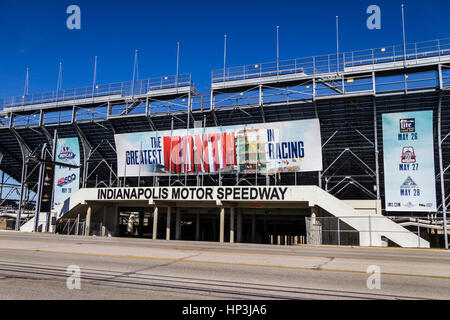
{"x": 125, "y": 89}
{"x": 330, "y": 63}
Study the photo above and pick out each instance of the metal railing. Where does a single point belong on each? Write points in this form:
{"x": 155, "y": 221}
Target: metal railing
{"x": 333, "y": 62}
{"x": 78, "y": 228}
{"x": 334, "y": 231}
{"x": 124, "y": 89}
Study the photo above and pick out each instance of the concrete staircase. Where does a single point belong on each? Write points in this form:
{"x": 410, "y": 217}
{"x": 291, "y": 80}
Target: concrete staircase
{"x": 381, "y": 225}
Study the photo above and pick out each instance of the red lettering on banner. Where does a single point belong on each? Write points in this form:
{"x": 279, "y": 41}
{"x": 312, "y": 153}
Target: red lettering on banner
{"x": 230, "y": 149}
{"x": 179, "y": 155}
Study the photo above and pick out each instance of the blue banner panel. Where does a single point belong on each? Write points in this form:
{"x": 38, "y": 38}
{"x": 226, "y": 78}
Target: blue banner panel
{"x": 409, "y": 176}
{"x": 67, "y": 180}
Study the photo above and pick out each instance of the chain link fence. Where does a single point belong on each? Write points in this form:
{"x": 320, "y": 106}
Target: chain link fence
{"x": 373, "y": 231}
{"x": 78, "y": 228}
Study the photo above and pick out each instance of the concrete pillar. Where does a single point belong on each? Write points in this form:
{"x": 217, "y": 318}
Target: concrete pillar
{"x": 222, "y": 225}
{"x": 114, "y": 228}
{"x": 88, "y": 221}
{"x": 141, "y": 224}
{"x": 197, "y": 227}
{"x": 169, "y": 213}
{"x": 178, "y": 224}
{"x": 104, "y": 221}
{"x": 155, "y": 222}
{"x": 239, "y": 226}
{"x": 231, "y": 225}
{"x": 77, "y": 225}
{"x": 116, "y": 221}
{"x": 314, "y": 212}
{"x": 130, "y": 225}
{"x": 253, "y": 228}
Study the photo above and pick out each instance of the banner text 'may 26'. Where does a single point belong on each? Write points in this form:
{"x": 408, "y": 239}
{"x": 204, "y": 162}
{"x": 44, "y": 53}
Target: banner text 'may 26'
{"x": 409, "y": 175}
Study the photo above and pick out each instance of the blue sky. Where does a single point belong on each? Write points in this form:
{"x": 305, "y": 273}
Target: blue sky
{"x": 34, "y": 34}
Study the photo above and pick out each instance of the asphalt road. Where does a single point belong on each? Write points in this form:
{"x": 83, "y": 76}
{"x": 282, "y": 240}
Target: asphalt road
{"x": 34, "y": 266}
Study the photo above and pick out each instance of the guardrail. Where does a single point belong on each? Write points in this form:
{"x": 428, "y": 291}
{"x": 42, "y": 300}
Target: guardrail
{"x": 125, "y": 89}
{"x": 334, "y": 62}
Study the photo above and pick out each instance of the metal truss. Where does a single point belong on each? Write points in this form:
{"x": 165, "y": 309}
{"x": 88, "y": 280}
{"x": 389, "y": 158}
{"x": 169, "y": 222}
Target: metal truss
{"x": 348, "y": 100}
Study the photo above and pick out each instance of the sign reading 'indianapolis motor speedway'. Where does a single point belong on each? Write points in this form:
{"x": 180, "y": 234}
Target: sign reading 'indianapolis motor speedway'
{"x": 268, "y": 148}
{"x": 409, "y": 161}
{"x": 271, "y": 193}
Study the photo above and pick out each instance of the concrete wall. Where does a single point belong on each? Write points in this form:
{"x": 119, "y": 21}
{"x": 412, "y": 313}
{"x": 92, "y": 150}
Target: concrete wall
{"x": 365, "y": 207}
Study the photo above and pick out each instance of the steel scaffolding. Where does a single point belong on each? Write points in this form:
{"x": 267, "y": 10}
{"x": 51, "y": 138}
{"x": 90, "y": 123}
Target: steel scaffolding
{"x": 348, "y": 99}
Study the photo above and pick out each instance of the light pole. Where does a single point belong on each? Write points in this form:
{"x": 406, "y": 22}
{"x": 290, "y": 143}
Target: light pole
{"x": 135, "y": 71}
{"x": 59, "y": 84}
{"x": 278, "y": 50}
{"x": 27, "y": 79}
{"x": 95, "y": 77}
{"x": 337, "y": 43}
{"x": 178, "y": 63}
{"x": 404, "y": 37}
{"x": 224, "y": 55}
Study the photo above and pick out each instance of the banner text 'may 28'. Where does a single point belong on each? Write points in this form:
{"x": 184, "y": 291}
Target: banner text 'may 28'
{"x": 409, "y": 161}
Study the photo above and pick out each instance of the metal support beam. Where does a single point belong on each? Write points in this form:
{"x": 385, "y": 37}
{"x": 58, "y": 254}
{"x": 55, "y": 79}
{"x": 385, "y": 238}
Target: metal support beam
{"x": 330, "y": 86}
{"x": 149, "y": 117}
{"x": 216, "y": 121}
{"x": 374, "y": 85}
{"x": 151, "y": 123}
{"x": 26, "y": 151}
{"x": 441, "y": 169}
{"x": 48, "y": 136}
{"x": 111, "y": 123}
{"x": 375, "y": 128}
{"x": 211, "y": 103}
{"x": 131, "y": 107}
{"x": 88, "y": 150}
{"x": 261, "y": 103}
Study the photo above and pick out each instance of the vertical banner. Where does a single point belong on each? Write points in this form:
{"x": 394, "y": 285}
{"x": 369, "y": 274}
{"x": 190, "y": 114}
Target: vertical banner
{"x": 47, "y": 187}
{"x": 292, "y": 146}
{"x": 409, "y": 175}
{"x": 67, "y": 180}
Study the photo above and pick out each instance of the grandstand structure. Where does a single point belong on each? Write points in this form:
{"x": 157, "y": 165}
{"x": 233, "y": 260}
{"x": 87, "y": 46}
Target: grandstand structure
{"x": 347, "y": 92}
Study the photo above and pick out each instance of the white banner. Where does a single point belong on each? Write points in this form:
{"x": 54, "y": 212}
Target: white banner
{"x": 289, "y": 146}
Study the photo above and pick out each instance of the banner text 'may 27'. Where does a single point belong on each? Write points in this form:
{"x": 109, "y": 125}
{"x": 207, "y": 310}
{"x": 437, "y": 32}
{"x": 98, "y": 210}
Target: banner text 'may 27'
{"x": 268, "y": 148}
{"x": 409, "y": 161}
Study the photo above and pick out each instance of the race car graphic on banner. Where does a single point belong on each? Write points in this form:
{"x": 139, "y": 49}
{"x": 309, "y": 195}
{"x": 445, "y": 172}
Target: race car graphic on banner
{"x": 67, "y": 180}
{"x": 409, "y": 161}
{"x": 268, "y": 148}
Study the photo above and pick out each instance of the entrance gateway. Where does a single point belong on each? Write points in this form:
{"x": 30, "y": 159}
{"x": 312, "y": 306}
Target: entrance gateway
{"x": 227, "y": 213}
